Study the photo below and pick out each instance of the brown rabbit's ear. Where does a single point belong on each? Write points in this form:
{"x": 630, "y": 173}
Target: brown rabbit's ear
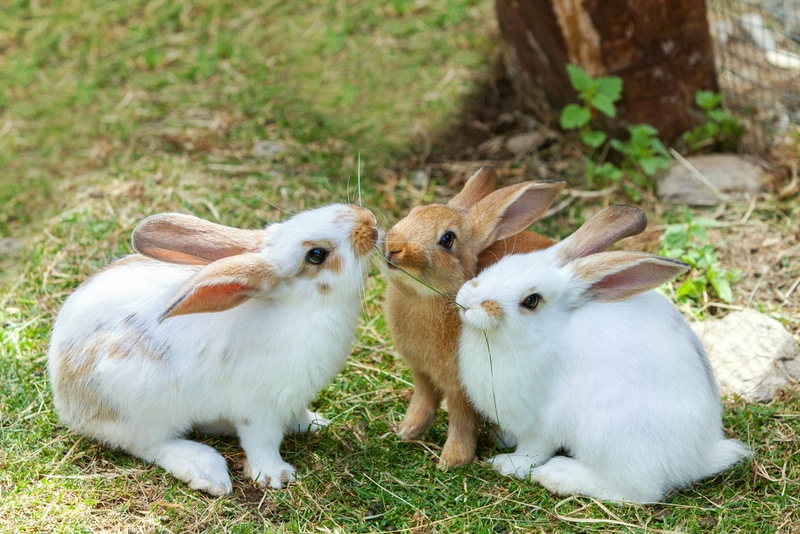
{"x": 620, "y": 275}
{"x": 511, "y": 210}
{"x": 601, "y": 231}
{"x": 222, "y": 285}
{"x": 184, "y": 239}
{"x": 479, "y": 185}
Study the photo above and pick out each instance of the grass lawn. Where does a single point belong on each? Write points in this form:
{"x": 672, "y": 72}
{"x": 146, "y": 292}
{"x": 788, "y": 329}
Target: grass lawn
{"x": 240, "y": 112}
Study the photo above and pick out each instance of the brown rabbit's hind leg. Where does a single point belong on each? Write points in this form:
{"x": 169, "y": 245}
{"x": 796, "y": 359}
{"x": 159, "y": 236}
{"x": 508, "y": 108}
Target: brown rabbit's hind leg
{"x": 459, "y": 449}
{"x": 422, "y": 409}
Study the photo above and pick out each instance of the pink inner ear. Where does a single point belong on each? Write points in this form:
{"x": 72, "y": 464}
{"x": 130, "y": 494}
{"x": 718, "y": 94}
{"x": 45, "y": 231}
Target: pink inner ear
{"x": 174, "y": 256}
{"x": 210, "y": 298}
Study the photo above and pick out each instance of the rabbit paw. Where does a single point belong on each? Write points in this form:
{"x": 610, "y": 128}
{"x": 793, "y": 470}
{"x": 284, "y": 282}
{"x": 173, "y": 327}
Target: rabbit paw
{"x": 518, "y": 465}
{"x": 276, "y": 475}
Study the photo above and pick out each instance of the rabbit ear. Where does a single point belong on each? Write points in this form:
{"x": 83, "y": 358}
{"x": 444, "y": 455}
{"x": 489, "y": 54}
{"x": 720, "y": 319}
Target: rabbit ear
{"x": 598, "y": 233}
{"x": 511, "y": 210}
{"x": 614, "y": 276}
{"x": 222, "y": 285}
{"x": 480, "y": 184}
{"x": 184, "y": 239}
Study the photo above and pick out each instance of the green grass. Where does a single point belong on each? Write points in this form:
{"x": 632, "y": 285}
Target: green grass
{"x": 112, "y": 111}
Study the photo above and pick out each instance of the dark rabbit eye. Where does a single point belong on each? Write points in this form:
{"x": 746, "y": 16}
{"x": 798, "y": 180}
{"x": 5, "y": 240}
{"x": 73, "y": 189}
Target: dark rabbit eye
{"x": 447, "y": 240}
{"x": 316, "y": 255}
{"x": 531, "y": 301}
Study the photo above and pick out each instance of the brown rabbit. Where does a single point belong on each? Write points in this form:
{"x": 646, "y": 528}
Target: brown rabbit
{"x": 438, "y": 246}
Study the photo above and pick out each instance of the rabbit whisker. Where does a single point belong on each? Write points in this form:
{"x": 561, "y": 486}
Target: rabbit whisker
{"x": 260, "y": 197}
{"x": 435, "y": 290}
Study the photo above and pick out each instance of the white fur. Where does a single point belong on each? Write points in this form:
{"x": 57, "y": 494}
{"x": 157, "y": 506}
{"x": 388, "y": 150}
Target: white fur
{"x": 252, "y": 369}
{"x": 624, "y": 388}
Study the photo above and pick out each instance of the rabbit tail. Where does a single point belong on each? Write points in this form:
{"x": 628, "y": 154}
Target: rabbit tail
{"x": 724, "y": 454}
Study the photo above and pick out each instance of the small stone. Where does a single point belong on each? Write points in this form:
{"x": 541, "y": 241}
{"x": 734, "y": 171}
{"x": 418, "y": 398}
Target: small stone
{"x": 526, "y": 143}
{"x": 752, "y": 355}
{"x": 732, "y": 175}
{"x": 10, "y": 246}
{"x": 268, "y": 149}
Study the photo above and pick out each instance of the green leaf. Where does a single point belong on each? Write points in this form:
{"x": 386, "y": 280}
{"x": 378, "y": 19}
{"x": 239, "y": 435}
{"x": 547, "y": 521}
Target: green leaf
{"x": 610, "y": 86}
{"x": 578, "y": 78}
{"x": 676, "y": 236}
{"x": 722, "y": 288}
{"x": 574, "y": 116}
{"x": 707, "y": 99}
{"x": 604, "y": 104}
{"x": 651, "y": 165}
{"x": 593, "y": 138}
{"x": 720, "y": 115}
{"x": 692, "y": 288}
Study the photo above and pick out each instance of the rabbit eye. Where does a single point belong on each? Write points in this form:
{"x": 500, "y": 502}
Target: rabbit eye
{"x": 531, "y": 301}
{"x": 316, "y": 255}
{"x": 447, "y": 240}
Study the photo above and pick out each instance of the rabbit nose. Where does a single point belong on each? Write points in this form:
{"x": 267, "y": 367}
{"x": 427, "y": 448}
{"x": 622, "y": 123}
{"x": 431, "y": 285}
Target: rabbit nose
{"x": 395, "y": 249}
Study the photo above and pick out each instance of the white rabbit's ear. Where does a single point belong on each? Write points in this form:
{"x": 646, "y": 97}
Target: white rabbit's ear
{"x": 512, "y": 209}
{"x": 184, "y": 239}
{"x": 222, "y": 285}
{"x": 614, "y": 276}
{"x": 480, "y": 184}
{"x": 601, "y": 231}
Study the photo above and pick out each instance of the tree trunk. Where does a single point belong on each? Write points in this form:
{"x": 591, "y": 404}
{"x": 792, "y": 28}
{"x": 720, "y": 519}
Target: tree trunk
{"x": 661, "y": 49}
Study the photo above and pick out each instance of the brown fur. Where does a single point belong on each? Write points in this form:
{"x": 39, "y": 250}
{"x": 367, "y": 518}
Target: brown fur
{"x": 365, "y": 234}
{"x": 425, "y": 325}
{"x": 79, "y": 359}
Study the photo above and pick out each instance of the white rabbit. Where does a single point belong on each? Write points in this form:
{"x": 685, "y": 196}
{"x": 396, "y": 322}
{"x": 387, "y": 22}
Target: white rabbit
{"x": 135, "y": 363}
{"x": 606, "y": 388}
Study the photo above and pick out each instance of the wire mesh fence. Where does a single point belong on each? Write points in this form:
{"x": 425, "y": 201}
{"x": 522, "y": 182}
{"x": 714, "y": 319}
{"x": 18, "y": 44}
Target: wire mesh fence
{"x": 757, "y": 46}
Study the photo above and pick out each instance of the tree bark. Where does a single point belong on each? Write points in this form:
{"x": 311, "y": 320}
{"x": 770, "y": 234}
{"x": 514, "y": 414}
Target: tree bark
{"x": 661, "y": 49}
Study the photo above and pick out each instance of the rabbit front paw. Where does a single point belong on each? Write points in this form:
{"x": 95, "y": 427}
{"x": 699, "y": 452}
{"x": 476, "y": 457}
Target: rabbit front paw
{"x": 518, "y": 465}
{"x": 276, "y": 475}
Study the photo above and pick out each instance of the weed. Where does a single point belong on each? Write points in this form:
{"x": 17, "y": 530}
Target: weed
{"x": 719, "y": 129}
{"x": 643, "y": 154}
{"x": 689, "y": 242}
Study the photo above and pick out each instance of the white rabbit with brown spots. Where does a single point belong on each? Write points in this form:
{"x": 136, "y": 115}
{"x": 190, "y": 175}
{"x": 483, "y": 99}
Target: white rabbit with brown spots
{"x": 213, "y": 327}
{"x": 606, "y": 388}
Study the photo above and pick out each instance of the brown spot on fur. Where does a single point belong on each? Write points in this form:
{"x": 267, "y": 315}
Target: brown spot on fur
{"x": 492, "y": 309}
{"x": 365, "y": 232}
{"x": 75, "y": 384}
{"x": 73, "y": 387}
{"x": 323, "y": 287}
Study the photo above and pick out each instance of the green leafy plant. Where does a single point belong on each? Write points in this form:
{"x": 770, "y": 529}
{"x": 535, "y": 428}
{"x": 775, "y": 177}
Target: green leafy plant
{"x": 719, "y": 128}
{"x": 595, "y": 94}
{"x": 642, "y": 154}
{"x": 689, "y": 242}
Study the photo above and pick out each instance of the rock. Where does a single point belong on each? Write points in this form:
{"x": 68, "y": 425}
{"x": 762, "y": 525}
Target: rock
{"x": 732, "y": 175}
{"x": 10, "y": 246}
{"x": 752, "y": 354}
{"x": 268, "y": 149}
{"x": 527, "y": 143}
